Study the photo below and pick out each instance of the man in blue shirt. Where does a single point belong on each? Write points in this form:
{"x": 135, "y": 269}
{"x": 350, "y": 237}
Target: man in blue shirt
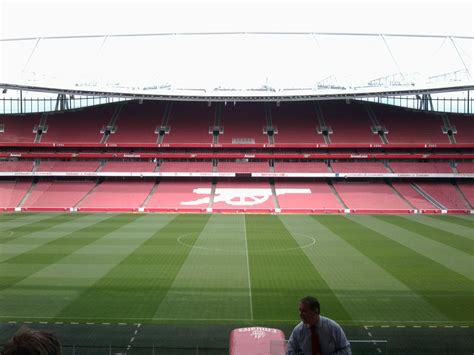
{"x": 315, "y": 334}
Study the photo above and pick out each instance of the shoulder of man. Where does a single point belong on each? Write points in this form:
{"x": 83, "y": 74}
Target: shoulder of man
{"x": 328, "y": 322}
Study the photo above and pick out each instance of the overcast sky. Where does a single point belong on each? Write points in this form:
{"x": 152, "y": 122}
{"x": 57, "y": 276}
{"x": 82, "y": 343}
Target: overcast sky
{"x": 34, "y": 18}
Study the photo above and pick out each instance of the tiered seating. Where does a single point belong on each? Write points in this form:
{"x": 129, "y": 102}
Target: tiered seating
{"x": 78, "y": 126}
{"x": 296, "y": 123}
{"x": 18, "y": 129}
{"x": 412, "y": 196}
{"x": 68, "y": 166}
{"x": 243, "y": 167}
{"x": 306, "y": 196}
{"x": 129, "y": 166}
{"x": 408, "y": 126}
{"x": 445, "y": 193}
{"x": 136, "y": 122}
{"x": 464, "y": 126}
{"x": 21, "y": 165}
{"x": 180, "y": 195}
{"x": 350, "y": 123}
{"x": 465, "y": 168}
{"x": 57, "y": 194}
{"x": 300, "y": 167}
{"x": 358, "y": 167}
{"x": 425, "y": 167}
{"x": 12, "y": 192}
{"x": 243, "y": 124}
{"x": 467, "y": 188}
{"x": 189, "y": 123}
{"x": 126, "y": 195}
{"x": 243, "y": 196}
{"x": 186, "y": 167}
{"x": 367, "y": 196}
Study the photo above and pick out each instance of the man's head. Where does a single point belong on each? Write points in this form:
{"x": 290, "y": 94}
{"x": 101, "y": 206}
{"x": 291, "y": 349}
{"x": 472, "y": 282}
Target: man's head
{"x": 28, "y": 341}
{"x": 309, "y": 309}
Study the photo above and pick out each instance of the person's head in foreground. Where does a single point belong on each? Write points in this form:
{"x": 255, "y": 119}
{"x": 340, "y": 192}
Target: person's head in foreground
{"x": 28, "y": 341}
{"x": 315, "y": 334}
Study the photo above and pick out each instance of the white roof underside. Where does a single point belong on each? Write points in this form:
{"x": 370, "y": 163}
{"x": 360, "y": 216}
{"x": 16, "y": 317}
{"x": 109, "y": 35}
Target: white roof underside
{"x": 237, "y": 65}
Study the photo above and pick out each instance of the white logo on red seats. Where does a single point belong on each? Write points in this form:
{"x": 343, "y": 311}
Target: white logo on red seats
{"x": 240, "y": 196}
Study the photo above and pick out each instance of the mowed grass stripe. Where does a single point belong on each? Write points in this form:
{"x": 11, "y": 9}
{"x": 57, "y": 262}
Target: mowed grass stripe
{"x": 447, "y": 291}
{"x": 213, "y": 281}
{"x": 57, "y": 249}
{"x": 24, "y": 227}
{"x": 466, "y": 221}
{"x": 76, "y": 272}
{"x": 450, "y": 258}
{"x": 5, "y": 217}
{"x": 444, "y": 225}
{"x": 281, "y": 273}
{"x": 366, "y": 290}
{"x": 452, "y": 240}
{"x": 136, "y": 286}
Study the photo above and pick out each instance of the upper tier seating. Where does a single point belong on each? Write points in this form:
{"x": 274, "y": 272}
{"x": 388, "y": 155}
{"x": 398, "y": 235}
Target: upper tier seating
{"x": 445, "y": 193}
{"x": 292, "y": 195}
{"x": 137, "y": 122}
{"x": 18, "y": 128}
{"x": 68, "y": 166}
{"x": 424, "y": 167}
{"x": 412, "y": 196}
{"x": 179, "y": 195}
{"x": 81, "y": 126}
{"x": 359, "y": 167}
{"x": 296, "y": 123}
{"x": 243, "y": 124}
{"x": 369, "y": 195}
{"x": 464, "y": 126}
{"x": 186, "y": 166}
{"x": 243, "y": 167}
{"x": 189, "y": 122}
{"x": 58, "y": 194}
{"x": 239, "y": 195}
{"x": 408, "y": 126}
{"x": 12, "y": 192}
{"x": 118, "y": 194}
{"x": 22, "y": 165}
{"x": 350, "y": 123}
{"x": 128, "y": 166}
{"x": 300, "y": 167}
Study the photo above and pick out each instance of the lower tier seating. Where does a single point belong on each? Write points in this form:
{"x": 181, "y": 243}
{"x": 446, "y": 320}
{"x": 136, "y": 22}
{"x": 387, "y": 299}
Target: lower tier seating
{"x": 12, "y": 192}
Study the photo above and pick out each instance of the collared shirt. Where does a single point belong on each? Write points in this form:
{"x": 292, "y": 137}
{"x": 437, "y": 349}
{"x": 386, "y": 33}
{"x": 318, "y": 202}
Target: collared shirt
{"x": 332, "y": 340}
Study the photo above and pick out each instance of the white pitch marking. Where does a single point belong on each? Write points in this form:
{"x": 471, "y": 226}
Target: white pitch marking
{"x": 248, "y": 270}
{"x": 27, "y": 322}
{"x": 463, "y": 326}
{"x": 90, "y": 323}
{"x": 448, "y": 326}
{"x": 122, "y": 323}
{"x": 433, "y": 326}
{"x": 58, "y": 322}
{"x": 106, "y": 323}
{"x": 416, "y": 326}
{"x": 370, "y": 334}
{"x": 131, "y": 340}
{"x": 12, "y": 322}
{"x": 384, "y": 326}
{"x": 74, "y": 323}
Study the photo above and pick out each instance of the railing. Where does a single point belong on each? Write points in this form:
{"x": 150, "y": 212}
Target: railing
{"x": 51, "y": 104}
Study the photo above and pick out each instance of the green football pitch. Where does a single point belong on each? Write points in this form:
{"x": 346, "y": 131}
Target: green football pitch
{"x": 240, "y": 270}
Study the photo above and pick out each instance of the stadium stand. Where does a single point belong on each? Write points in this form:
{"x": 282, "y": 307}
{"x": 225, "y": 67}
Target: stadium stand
{"x": 464, "y": 126}
{"x": 189, "y": 123}
{"x": 136, "y": 123}
{"x": 370, "y": 196}
{"x": 128, "y": 166}
{"x": 358, "y": 167}
{"x": 243, "y": 124}
{"x": 350, "y": 123}
{"x": 113, "y": 195}
{"x": 79, "y": 127}
{"x": 12, "y": 193}
{"x": 18, "y": 129}
{"x": 183, "y": 196}
{"x": 20, "y": 165}
{"x": 68, "y": 166}
{"x": 300, "y": 167}
{"x": 444, "y": 193}
{"x": 186, "y": 166}
{"x": 424, "y": 167}
{"x": 306, "y": 196}
{"x": 57, "y": 195}
{"x": 243, "y": 196}
{"x": 466, "y": 168}
{"x": 409, "y": 126}
{"x": 467, "y": 189}
{"x": 410, "y": 194}
{"x": 295, "y": 123}
{"x": 243, "y": 167}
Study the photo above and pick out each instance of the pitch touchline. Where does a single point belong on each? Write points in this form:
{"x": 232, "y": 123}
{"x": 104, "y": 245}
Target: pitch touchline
{"x": 248, "y": 270}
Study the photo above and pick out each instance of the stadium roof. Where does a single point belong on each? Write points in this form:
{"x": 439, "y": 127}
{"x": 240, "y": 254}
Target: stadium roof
{"x": 239, "y": 65}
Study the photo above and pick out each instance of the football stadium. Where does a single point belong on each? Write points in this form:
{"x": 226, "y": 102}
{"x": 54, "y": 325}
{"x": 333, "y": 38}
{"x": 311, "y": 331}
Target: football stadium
{"x": 176, "y": 192}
